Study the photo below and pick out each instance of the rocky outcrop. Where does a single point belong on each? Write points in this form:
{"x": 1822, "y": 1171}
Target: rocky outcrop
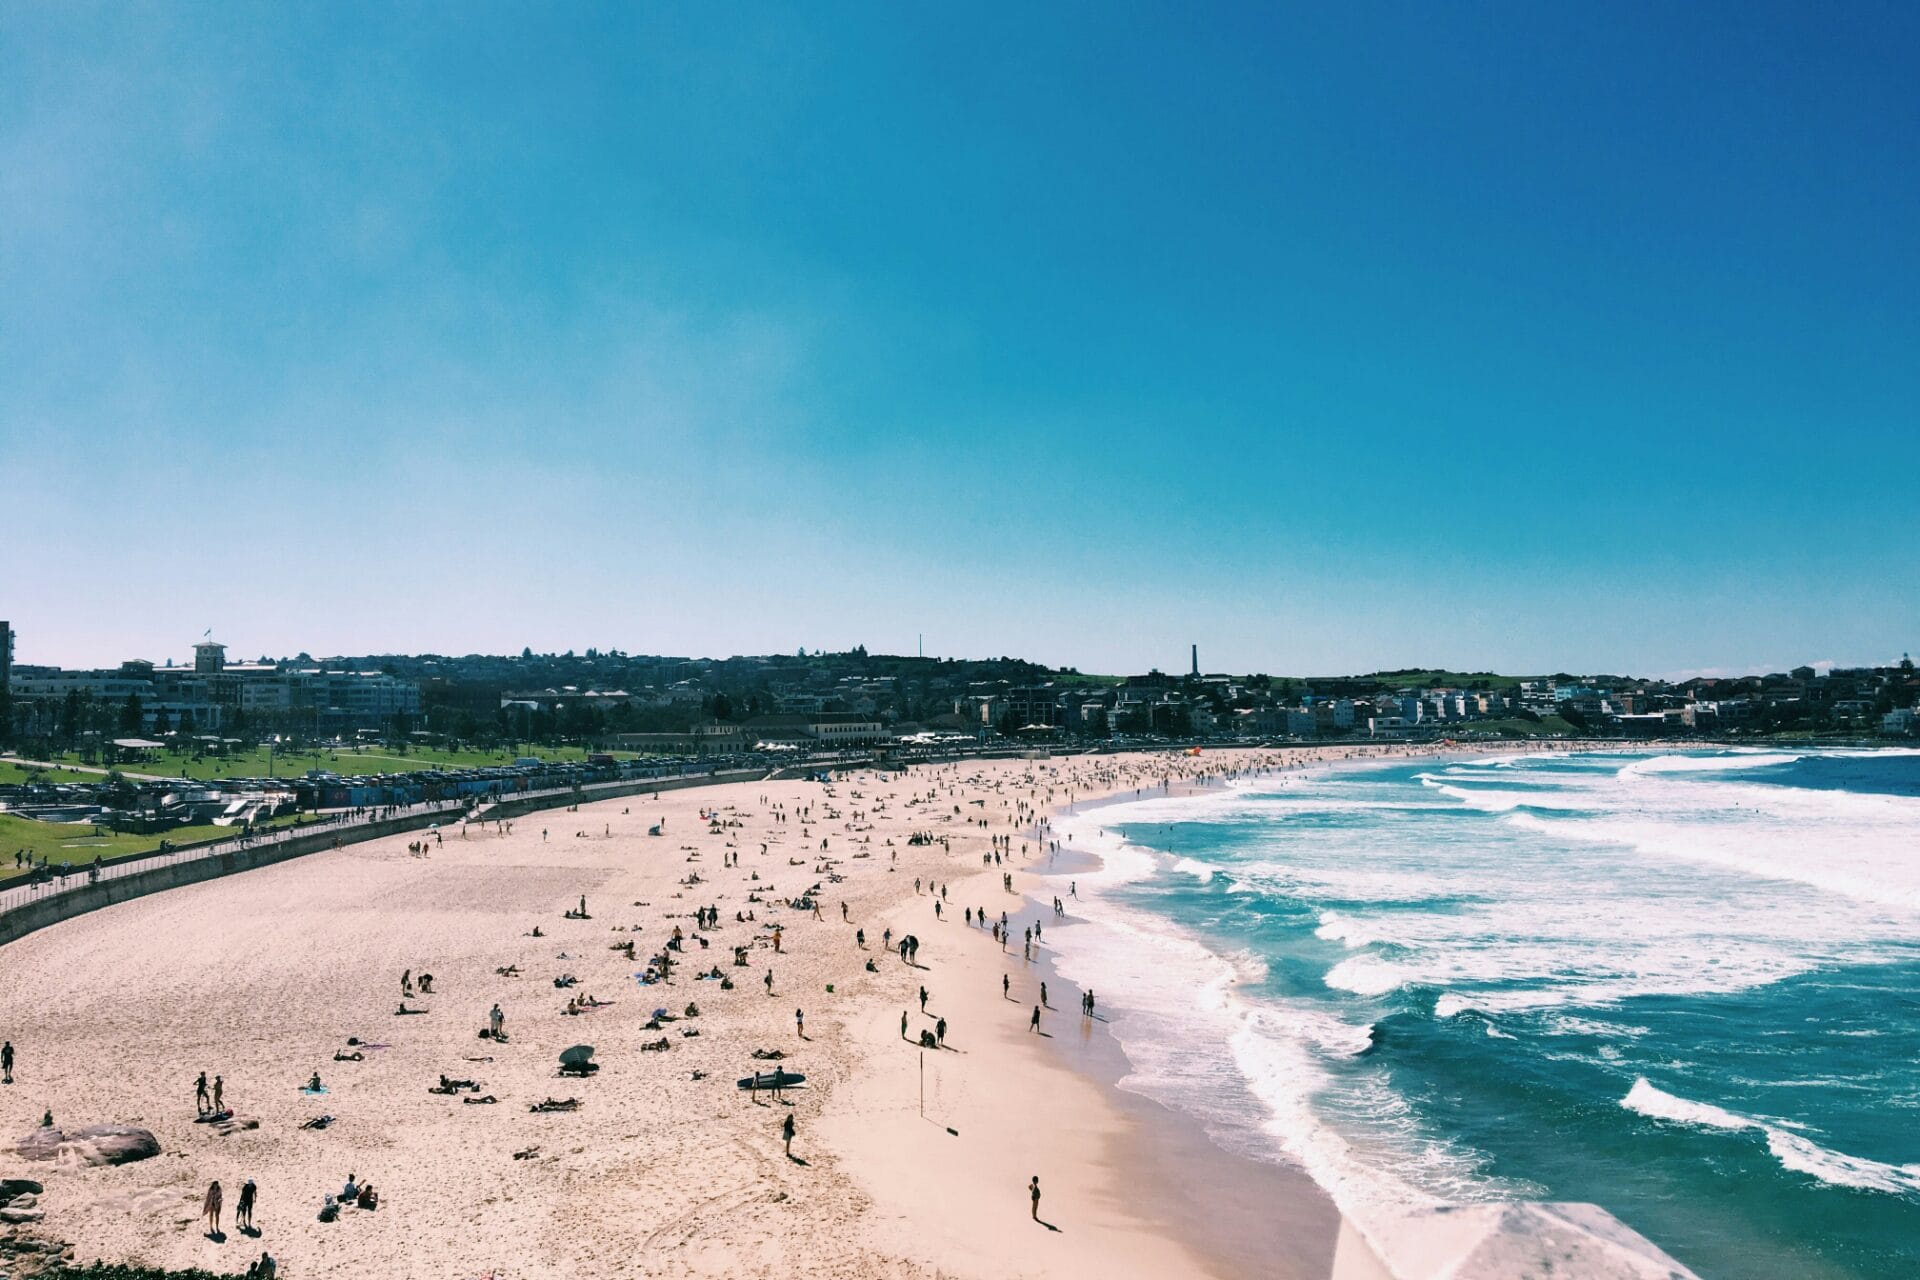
{"x": 95, "y": 1144}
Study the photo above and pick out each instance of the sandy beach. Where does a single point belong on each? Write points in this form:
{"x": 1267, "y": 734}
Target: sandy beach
{"x": 905, "y": 1162}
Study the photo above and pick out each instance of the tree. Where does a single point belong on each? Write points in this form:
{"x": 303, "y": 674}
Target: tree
{"x": 722, "y": 707}
{"x": 130, "y": 715}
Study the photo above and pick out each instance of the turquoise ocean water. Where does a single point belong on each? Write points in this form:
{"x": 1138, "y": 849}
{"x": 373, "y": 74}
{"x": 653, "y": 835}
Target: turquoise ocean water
{"x": 1683, "y": 986}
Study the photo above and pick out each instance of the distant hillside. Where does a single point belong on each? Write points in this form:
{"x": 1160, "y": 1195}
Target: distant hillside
{"x": 1411, "y": 677}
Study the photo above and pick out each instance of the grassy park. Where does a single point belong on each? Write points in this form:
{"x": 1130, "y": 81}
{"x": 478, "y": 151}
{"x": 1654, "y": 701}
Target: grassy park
{"x": 78, "y": 843}
{"x": 258, "y": 762}
{"x": 12, "y": 771}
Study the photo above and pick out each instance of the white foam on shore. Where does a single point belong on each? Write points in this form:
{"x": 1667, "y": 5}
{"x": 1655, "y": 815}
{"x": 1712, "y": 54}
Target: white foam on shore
{"x": 1792, "y": 1150}
{"x": 1243, "y": 1066}
{"x": 1490, "y": 928}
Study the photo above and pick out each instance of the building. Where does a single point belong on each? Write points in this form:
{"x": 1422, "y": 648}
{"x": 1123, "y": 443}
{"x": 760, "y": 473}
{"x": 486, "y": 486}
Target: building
{"x": 215, "y": 694}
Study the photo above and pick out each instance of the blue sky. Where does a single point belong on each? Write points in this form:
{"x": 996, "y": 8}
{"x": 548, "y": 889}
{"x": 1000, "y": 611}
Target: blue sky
{"x": 1505, "y": 336}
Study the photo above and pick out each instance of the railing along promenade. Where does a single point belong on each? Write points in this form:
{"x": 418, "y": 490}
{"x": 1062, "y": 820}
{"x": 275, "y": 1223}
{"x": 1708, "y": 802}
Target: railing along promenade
{"x": 48, "y": 897}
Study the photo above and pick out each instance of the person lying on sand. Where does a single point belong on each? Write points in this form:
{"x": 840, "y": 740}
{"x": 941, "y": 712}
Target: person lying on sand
{"x": 348, "y": 1057}
{"x": 556, "y": 1104}
{"x": 318, "y": 1122}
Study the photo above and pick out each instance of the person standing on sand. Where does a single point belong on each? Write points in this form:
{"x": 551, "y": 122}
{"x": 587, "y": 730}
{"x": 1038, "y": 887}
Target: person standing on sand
{"x": 903, "y": 1024}
{"x": 1033, "y": 1190}
{"x": 243, "y": 1209}
{"x": 210, "y": 1208}
{"x": 768, "y": 980}
{"x": 800, "y": 1022}
{"x": 1004, "y": 984}
{"x": 1033, "y": 1023}
{"x": 200, "y": 1101}
{"x": 6, "y": 1063}
{"x": 219, "y": 1090}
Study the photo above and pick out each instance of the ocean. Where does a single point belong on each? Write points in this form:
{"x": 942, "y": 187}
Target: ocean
{"x": 1684, "y": 986}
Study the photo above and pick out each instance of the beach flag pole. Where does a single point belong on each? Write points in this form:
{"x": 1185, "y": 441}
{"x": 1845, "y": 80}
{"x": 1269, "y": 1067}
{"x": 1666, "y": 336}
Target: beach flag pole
{"x": 923, "y": 1084}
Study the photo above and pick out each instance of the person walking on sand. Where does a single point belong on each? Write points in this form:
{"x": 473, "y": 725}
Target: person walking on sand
{"x": 786, "y": 1134}
{"x": 6, "y": 1063}
{"x": 243, "y": 1208}
{"x": 768, "y": 980}
{"x": 1033, "y": 1191}
{"x": 1033, "y": 1023}
{"x": 1004, "y": 985}
{"x": 210, "y": 1208}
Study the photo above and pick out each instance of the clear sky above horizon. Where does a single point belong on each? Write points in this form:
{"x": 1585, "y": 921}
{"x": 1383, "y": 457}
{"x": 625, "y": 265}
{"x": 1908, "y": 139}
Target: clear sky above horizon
{"x": 1506, "y": 337}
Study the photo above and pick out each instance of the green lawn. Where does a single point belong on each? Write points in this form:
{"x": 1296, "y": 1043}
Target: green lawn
{"x": 75, "y": 843}
{"x": 254, "y": 763}
{"x": 11, "y": 772}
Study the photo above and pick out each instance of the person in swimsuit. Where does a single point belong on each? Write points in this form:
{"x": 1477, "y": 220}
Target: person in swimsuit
{"x": 210, "y": 1208}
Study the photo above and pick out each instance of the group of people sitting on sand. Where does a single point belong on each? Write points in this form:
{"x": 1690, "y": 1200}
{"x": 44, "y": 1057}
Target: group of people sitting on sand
{"x": 355, "y": 1194}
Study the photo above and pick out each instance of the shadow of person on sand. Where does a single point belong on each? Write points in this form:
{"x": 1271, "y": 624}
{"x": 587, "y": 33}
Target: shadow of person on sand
{"x": 252, "y": 1233}
{"x": 1049, "y": 1226}
{"x": 218, "y": 1237}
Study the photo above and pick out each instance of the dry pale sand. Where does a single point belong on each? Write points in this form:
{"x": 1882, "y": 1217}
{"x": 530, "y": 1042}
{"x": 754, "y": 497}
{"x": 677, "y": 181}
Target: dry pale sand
{"x": 262, "y": 977}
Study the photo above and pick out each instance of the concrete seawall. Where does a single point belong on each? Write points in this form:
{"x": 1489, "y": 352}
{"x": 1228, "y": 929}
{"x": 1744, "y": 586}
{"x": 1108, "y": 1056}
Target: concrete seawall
{"x": 19, "y": 921}
{"x": 171, "y": 871}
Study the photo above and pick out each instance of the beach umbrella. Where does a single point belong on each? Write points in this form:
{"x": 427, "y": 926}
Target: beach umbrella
{"x": 577, "y": 1056}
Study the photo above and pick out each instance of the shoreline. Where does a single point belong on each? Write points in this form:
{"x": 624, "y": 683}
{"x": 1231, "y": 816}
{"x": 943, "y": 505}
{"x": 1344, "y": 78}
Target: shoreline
{"x": 1412, "y": 1241}
{"x": 668, "y": 1170}
{"x": 266, "y": 976}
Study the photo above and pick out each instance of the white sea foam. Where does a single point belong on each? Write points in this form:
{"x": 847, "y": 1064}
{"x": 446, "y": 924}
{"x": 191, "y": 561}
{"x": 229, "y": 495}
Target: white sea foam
{"x": 1792, "y": 1150}
{"x": 1661, "y": 881}
{"x": 1707, "y": 764}
{"x": 1661, "y": 1105}
{"x": 1243, "y": 1066}
{"x": 1335, "y": 927}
